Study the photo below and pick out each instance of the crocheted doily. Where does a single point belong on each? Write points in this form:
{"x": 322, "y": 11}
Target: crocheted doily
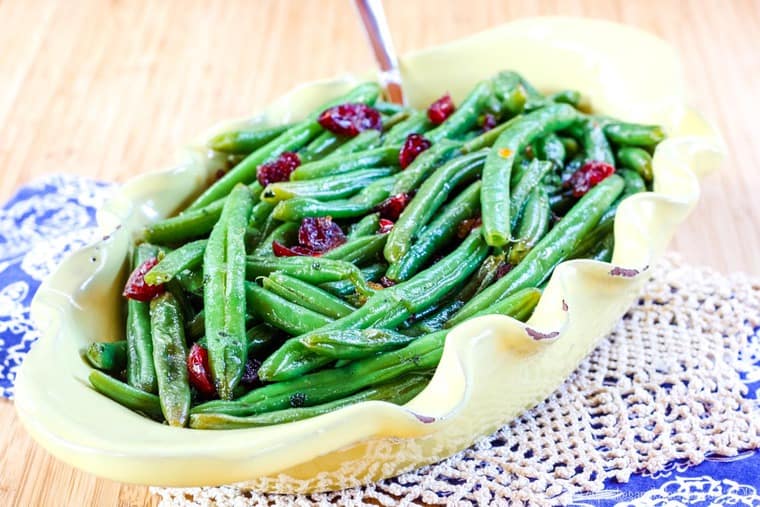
{"x": 664, "y": 385}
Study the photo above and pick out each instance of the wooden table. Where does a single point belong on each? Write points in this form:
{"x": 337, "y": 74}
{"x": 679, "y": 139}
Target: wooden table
{"x": 109, "y": 89}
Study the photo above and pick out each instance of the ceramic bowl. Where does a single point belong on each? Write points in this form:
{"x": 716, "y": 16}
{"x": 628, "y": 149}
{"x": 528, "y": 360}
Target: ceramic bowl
{"x": 492, "y": 368}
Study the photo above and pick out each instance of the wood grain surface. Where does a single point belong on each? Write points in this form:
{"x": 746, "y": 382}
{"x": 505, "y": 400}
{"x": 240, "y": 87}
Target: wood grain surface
{"x": 109, "y": 89}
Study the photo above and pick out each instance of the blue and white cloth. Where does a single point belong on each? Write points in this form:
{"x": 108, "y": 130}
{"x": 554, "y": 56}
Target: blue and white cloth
{"x": 54, "y": 216}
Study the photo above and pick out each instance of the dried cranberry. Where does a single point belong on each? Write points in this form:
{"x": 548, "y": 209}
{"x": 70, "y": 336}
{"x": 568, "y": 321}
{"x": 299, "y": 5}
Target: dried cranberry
{"x": 503, "y": 269}
{"x": 588, "y": 176}
{"x": 136, "y": 287}
{"x": 385, "y": 226}
{"x": 391, "y": 208}
{"x": 278, "y": 169}
{"x": 280, "y": 250}
{"x": 387, "y": 282}
{"x": 466, "y": 226}
{"x": 198, "y": 371}
{"x": 320, "y": 234}
{"x": 488, "y": 122}
{"x": 251, "y": 374}
{"x": 441, "y": 109}
{"x": 315, "y": 236}
{"x": 413, "y": 146}
{"x": 350, "y": 119}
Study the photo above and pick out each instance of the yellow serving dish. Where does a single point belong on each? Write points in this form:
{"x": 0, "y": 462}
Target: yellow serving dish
{"x": 492, "y": 368}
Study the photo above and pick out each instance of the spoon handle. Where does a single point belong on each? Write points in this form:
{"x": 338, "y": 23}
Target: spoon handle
{"x": 376, "y": 28}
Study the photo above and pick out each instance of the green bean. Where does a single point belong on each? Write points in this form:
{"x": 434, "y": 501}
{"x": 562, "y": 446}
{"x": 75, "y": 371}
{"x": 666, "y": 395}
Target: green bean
{"x": 604, "y": 250}
{"x": 188, "y": 256}
{"x": 191, "y": 224}
{"x": 326, "y": 188}
{"x": 141, "y": 372}
{"x": 417, "y": 123}
{"x": 632, "y": 134}
{"x": 366, "y": 140}
{"x": 306, "y": 295}
{"x": 186, "y": 308}
{"x": 257, "y": 337}
{"x": 433, "y": 192}
{"x": 551, "y": 148}
{"x": 292, "y": 139}
{"x": 309, "y": 269}
{"x": 398, "y": 391}
{"x": 637, "y": 159}
{"x": 170, "y": 358}
{"x": 554, "y": 248}
{"x": 224, "y": 293}
{"x": 595, "y": 143}
{"x": 561, "y": 202}
{"x": 430, "y": 321}
{"x": 435, "y": 321}
{"x": 390, "y": 108}
{"x": 321, "y": 146}
{"x": 243, "y": 142}
{"x": 571, "y": 97}
{"x": 196, "y": 326}
{"x": 283, "y": 233}
{"x": 126, "y": 395}
{"x": 281, "y": 313}
{"x": 108, "y": 356}
{"x": 345, "y": 288}
{"x": 422, "y": 290}
{"x": 384, "y": 156}
{"x": 390, "y": 121}
{"x": 358, "y": 251}
{"x": 510, "y": 92}
{"x": 487, "y": 138}
{"x": 465, "y": 116}
{"x": 311, "y": 389}
{"x": 534, "y": 224}
{"x": 261, "y": 336}
{"x": 484, "y": 276}
{"x": 521, "y": 166}
{"x": 633, "y": 185}
{"x": 298, "y": 208}
{"x": 260, "y": 213}
{"x": 530, "y": 180}
{"x": 437, "y": 233}
{"x": 365, "y": 227}
{"x": 572, "y": 148}
{"x": 423, "y": 165}
{"x": 385, "y": 308}
{"x": 518, "y": 306}
{"x": 494, "y": 198}
{"x": 530, "y": 90}
{"x": 354, "y": 343}
{"x": 245, "y": 171}
{"x": 191, "y": 281}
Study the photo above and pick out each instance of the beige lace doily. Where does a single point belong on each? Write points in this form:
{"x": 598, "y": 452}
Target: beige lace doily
{"x": 664, "y": 385}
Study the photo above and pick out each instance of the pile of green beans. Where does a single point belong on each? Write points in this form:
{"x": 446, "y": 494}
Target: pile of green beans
{"x": 246, "y": 324}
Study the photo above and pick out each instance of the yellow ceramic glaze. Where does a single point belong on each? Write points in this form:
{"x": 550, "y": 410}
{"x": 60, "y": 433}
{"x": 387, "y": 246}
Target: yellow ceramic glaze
{"x": 492, "y": 368}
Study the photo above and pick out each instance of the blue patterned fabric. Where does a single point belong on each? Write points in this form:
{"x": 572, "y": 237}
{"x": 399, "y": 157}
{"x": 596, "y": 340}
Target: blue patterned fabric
{"x": 39, "y": 226}
{"x": 49, "y": 218}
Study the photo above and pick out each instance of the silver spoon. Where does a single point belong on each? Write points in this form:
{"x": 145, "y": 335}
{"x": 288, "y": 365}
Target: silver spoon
{"x": 376, "y": 28}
